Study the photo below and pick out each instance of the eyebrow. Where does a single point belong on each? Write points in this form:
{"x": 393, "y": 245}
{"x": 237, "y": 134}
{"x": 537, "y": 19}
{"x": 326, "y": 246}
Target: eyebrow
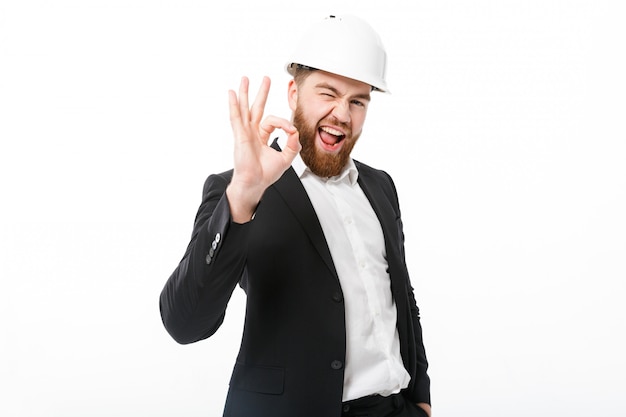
{"x": 327, "y": 86}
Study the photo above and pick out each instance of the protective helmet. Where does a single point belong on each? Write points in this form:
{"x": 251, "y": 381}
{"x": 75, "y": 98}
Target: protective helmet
{"x": 343, "y": 45}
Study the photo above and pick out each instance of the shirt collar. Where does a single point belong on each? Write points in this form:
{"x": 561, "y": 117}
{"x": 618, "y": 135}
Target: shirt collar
{"x": 349, "y": 173}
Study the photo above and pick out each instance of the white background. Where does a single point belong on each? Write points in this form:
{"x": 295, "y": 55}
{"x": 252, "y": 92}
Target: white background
{"x": 504, "y": 133}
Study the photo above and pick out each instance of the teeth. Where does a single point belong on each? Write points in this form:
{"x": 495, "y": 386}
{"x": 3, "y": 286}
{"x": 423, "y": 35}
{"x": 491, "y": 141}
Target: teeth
{"x": 332, "y": 131}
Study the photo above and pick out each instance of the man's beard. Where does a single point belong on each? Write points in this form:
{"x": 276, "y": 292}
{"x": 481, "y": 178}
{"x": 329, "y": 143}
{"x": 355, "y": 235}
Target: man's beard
{"x": 320, "y": 163}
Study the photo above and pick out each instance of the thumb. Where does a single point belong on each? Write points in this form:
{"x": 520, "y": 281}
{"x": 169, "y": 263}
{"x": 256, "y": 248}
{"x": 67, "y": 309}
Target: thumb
{"x": 292, "y": 147}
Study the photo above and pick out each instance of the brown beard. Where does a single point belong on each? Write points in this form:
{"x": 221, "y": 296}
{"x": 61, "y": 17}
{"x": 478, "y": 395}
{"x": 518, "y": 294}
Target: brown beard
{"x": 320, "y": 163}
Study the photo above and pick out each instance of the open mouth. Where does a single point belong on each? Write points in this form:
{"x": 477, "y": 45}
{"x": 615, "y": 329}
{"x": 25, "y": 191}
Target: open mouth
{"x": 331, "y": 138}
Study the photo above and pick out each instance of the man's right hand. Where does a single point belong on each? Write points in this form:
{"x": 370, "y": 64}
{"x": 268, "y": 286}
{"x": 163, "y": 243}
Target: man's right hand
{"x": 257, "y": 165}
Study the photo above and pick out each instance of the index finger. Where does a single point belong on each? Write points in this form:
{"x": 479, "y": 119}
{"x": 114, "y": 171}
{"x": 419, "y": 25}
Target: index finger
{"x": 258, "y": 107}
{"x": 271, "y": 123}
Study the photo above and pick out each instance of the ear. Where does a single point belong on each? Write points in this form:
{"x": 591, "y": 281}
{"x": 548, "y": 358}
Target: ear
{"x": 292, "y": 95}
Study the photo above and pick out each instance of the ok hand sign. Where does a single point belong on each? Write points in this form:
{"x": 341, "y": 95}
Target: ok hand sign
{"x": 257, "y": 165}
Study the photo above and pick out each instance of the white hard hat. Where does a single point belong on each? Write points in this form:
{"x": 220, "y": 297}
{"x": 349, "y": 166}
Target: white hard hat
{"x": 343, "y": 45}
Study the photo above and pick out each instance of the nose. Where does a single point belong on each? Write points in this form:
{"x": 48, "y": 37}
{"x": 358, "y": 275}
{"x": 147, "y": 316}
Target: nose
{"x": 341, "y": 111}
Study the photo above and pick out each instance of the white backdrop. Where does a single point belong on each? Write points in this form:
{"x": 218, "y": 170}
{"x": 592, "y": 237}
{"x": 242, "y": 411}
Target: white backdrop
{"x": 504, "y": 133}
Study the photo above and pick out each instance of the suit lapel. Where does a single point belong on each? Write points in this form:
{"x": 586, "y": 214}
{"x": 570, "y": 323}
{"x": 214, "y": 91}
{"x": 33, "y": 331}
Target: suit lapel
{"x": 388, "y": 217}
{"x": 291, "y": 190}
{"x": 383, "y": 209}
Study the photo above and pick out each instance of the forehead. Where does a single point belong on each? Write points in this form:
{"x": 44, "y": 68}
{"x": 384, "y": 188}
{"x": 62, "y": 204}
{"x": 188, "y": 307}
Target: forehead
{"x": 344, "y": 85}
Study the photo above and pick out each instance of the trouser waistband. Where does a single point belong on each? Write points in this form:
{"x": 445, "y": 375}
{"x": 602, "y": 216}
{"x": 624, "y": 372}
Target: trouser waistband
{"x": 372, "y": 405}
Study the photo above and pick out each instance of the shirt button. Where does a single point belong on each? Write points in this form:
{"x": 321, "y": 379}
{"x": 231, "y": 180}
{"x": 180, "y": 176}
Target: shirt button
{"x": 336, "y": 365}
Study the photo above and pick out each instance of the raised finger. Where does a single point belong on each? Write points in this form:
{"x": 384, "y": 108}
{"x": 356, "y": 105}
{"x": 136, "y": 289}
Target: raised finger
{"x": 235, "y": 115}
{"x": 256, "y": 112}
{"x": 244, "y": 110}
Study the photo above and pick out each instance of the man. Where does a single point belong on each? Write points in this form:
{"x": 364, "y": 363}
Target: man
{"x": 315, "y": 240}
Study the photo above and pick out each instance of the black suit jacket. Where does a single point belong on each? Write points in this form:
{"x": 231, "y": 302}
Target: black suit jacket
{"x": 293, "y": 347}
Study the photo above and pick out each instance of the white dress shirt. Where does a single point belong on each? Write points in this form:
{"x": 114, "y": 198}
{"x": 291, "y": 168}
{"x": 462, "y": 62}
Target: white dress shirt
{"x": 355, "y": 239}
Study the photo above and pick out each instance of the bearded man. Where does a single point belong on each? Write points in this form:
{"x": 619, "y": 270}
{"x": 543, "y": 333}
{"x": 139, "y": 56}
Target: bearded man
{"x": 315, "y": 240}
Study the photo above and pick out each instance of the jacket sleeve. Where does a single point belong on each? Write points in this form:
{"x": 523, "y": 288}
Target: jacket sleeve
{"x": 421, "y": 384}
{"x": 194, "y": 299}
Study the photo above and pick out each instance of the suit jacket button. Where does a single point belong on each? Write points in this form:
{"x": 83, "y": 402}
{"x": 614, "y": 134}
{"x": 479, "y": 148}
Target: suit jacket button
{"x": 208, "y": 259}
{"x": 217, "y": 238}
{"x": 337, "y": 297}
{"x": 336, "y": 365}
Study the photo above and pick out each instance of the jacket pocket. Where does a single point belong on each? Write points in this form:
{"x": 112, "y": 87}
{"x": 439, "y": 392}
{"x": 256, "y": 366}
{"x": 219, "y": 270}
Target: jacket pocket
{"x": 261, "y": 379}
